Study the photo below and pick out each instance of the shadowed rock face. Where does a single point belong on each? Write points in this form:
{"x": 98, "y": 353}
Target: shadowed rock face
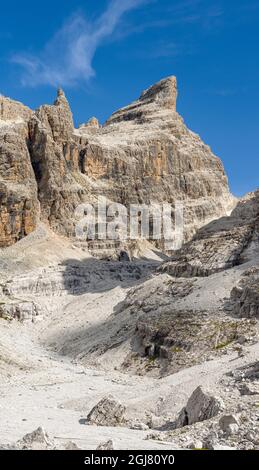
{"x": 143, "y": 154}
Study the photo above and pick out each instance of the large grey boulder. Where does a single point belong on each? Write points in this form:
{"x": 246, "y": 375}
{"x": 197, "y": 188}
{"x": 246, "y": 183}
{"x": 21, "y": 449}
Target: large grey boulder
{"x": 200, "y": 406}
{"x": 107, "y": 412}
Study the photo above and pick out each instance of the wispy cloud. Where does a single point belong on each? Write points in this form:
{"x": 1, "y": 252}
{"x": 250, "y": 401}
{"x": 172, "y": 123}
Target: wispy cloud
{"x": 67, "y": 58}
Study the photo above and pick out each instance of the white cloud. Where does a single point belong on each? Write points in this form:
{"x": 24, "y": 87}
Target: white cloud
{"x": 67, "y": 57}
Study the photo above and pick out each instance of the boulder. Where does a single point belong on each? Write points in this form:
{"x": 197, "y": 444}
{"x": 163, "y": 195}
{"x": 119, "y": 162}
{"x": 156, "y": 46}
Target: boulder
{"x": 108, "y": 445}
{"x": 202, "y": 405}
{"x": 249, "y": 388}
{"x": 108, "y": 412}
{"x": 70, "y": 445}
{"x": 229, "y": 424}
{"x": 36, "y": 440}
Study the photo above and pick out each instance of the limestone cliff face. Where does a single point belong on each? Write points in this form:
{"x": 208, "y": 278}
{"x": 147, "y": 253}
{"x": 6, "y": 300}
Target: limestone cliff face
{"x": 19, "y": 208}
{"x": 55, "y": 159}
{"x": 143, "y": 154}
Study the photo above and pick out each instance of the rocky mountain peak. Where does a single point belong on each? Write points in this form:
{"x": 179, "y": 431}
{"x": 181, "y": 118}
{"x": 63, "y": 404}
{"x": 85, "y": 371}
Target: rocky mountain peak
{"x": 163, "y": 93}
{"x": 11, "y": 110}
{"x": 58, "y": 118}
{"x": 144, "y": 153}
{"x": 159, "y": 98}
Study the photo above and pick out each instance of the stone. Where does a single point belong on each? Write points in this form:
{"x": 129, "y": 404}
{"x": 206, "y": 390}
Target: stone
{"x": 245, "y": 295}
{"x": 70, "y": 445}
{"x": 36, "y": 440}
{"x": 248, "y": 374}
{"x": 252, "y": 437}
{"x": 229, "y": 424}
{"x": 195, "y": 445}
{"x": 108, "y": 445}
{"x": 248, "y": 388}
{"x": 211, "y": 440}
{"x": 107, "y": 412}
{"x": 138, "y": 426}
{"x": 200, "y": 407}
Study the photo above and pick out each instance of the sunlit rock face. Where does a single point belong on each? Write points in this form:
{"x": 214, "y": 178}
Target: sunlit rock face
{"x": 144, "y": 154}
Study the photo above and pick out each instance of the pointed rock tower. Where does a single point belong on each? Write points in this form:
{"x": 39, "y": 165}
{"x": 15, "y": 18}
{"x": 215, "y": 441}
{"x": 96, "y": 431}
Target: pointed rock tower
{"x": 58, "y": 118}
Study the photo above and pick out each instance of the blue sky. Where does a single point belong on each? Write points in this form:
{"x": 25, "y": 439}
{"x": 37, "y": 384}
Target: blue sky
{"x": 105, "y": 52}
